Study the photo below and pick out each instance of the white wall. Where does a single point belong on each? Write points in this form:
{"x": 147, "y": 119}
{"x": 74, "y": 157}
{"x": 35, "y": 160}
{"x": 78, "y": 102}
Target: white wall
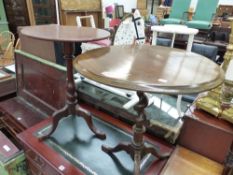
{"x": 224, "y": 2}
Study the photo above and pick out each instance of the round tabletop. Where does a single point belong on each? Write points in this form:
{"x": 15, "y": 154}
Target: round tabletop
{"x": 174, "y": 28}
{"x": 54, "y": 32}
{"x": 150, "y": 69}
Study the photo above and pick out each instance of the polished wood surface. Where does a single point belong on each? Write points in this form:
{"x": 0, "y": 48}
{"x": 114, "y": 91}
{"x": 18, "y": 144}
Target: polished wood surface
{"x": 217, "y": 132}
{"x": 68, "y": 35}
{"x": 44, "y": 155}
{"x": 55, "y": 32}
{"x": 185, "y": 162}
{"x": 150, "y": 69}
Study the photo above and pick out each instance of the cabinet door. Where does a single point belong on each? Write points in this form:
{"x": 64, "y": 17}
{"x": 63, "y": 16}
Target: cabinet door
{"x": 44, "y": 11}
{"x": 16, "y": 12}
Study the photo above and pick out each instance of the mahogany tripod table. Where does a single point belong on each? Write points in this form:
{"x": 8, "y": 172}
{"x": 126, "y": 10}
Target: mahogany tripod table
{"x": 68, "y": 35}
{"x": 152, "y": 69}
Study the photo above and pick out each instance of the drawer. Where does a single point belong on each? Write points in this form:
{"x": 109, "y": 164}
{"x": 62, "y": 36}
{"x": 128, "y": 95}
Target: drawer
{"x": 32, "y": 169}
{"x": 40, "y": 163}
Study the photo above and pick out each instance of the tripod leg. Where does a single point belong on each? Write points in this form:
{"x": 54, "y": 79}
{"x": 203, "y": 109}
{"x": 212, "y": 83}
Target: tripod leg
{"x": 88, "y": 118}
{"x": 155, "y": 153}
{"x": 127, "y": 147}
{"x": 57, "y": 116}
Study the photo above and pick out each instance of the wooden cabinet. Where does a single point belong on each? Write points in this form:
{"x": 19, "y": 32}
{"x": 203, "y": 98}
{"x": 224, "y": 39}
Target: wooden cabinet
{"x": 44, "y": 11}
{"x": 70, "y": 9}
{"x": 69, "y": 17}
{"x": 17, "y": 14}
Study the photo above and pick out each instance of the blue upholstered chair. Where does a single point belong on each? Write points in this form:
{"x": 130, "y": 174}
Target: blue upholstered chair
{"x": 179, "y": 7}
{"x": 204, "y": 14}
{"x": 207, "y": 51}
{"x": 164, "y": 42}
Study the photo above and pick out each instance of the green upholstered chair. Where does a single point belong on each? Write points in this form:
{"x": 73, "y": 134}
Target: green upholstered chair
{"x": 204, "y": 14}
{"x": 179, "y": 7}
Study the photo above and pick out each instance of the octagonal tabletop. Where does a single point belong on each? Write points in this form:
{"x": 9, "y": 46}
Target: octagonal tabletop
{"x": 150, "y": 69}
{"x": 54, "y": 32}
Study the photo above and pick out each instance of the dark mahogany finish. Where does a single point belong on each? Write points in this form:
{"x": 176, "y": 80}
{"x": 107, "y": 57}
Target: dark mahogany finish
{"x": 206, "y": 135}
{"x": 40, "y": 92}
{"x": 150, "y": 69}
{"x": 68, "y": 35}
{"x": 60, "y": 33}
{"x": 40, "y": 84}
{"x": 45, "y": 160}
{"x": 147, "y": 69}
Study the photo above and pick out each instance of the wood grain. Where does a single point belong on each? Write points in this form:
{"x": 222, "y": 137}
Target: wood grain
{"x": 186, "y": 162}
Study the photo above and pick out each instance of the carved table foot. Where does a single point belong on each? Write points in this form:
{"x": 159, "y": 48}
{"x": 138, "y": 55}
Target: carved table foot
{"x": 130, "y": 148}
{"x": 86, "y": 115}
{"x": 56, "y": 117}
{"x": 127, "y": 147}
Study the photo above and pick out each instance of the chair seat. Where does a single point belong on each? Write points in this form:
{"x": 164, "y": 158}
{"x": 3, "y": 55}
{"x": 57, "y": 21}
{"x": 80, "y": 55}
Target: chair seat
{"x": 199, "y": 24}
{"x": 104, "y": 42}
{"x": 170, "y": 21}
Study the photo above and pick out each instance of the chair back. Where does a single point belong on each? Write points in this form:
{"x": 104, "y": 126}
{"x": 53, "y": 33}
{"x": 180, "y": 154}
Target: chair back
{"x": 6, "y": 38}
{"x": 178, "y": 8}
{"x": 205, "y": 10}
{"x": 90, "y": 17}
{"x": 130, "y": 29}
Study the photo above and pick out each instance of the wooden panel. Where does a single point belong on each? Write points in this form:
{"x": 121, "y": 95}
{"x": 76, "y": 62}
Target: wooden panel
{"x": 40, "y": 84}
{"x": 18, "y": 114}
{"x": 142, "y": 4}
{"x": 37, "y": 164}
{"x": 80, "y": 4}
{"x": 186, "y": 162}
{"x": 17, "y": 14}
{"x": 69, "y": 17}
{"x": 206, "y": 135}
